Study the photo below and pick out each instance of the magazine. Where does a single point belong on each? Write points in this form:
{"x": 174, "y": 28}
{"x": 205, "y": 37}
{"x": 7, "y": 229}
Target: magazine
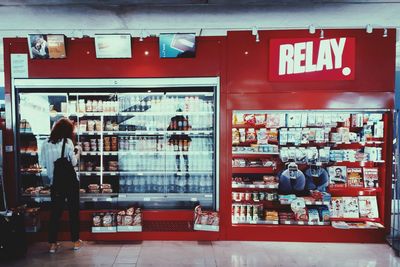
{"x": 337, "y": 207}
{"x": 354, "y": 177}
{"x": 337, "y": 176}
{"x": 350, "y": 207}
{"x": 371, "y": 177}
{"x": 368, "y": 207}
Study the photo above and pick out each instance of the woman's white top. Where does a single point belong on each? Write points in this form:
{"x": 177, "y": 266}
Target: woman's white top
{"x": 51, "y": 152}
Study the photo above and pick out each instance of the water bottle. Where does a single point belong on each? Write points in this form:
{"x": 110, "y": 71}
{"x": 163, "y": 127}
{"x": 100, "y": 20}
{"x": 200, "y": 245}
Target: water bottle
{"x": 142, "y": 184}
{"x": 135, "y": 184}
{"x": 128, "y": 186}
{"x": 190, "y": 184}
{"x": 202, "y": 184}
{"x": 209, "y": 184}
{"x": 160, "y": 184}
{"x": 171, "y": 183}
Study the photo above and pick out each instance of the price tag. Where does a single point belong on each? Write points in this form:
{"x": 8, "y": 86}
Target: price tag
{"x": 109, "y": 199}
{"x": 87, "y": 173}
{"x": 122, "y": 195}
{"x": 193, "y": 199}
{"x": 94, "y": 199}
{"x": 146, "y": 199}
{"x": 311, "y": 223}
{"x": 208, "y": 196}
{"x": 140, "y": 173}
{"x": 252, "y": 186}
{"x": 33, "y": 153}
{"x": 109, "y": 133}
{"x": 113, "y": 173}
{"x": 300, "y": 223}
{"x": 253, "y": 222}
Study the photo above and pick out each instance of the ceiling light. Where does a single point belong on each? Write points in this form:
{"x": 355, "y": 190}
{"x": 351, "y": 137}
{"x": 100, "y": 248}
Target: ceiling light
{"x": 322, "y": 34}
{"x": 311, "y": 29}
{"x": 141, "y": 36}
{"x": 369, "y": 28}
{"x": 384, "y": 32}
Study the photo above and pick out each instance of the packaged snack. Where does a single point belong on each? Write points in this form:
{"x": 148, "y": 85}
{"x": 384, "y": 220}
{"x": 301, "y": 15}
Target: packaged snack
{"x": 242, "y": 134}
{"x": 235, "y": 136}
{"x": 283, "y": 136}
{"x": 259, "y": 119}
{"x": 249, "y": 119}
{"x": 313, "y": 215}
{"x": 262, "y": 136}
{"x": 272, "y": 135}
{"x": 251, "y": 135}
{"x": 108, "y": 219}
{"x": 97, "y": 219}
{"x": 273, "y": 120}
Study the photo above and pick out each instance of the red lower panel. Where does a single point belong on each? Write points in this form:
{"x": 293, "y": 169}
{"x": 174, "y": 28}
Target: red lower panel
{"x": 305, "y": 234}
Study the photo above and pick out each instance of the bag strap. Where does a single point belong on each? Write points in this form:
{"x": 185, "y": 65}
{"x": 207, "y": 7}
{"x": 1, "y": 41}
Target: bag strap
{"x": 63, "y": 148}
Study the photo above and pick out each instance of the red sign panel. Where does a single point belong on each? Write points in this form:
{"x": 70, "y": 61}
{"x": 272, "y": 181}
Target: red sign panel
{"x": 312, "y": 59}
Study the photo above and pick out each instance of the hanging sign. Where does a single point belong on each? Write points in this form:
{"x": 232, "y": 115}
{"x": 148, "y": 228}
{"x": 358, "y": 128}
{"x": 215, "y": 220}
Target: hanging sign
{"x": 113, "y": 45}
{"x": 43, "y": 46}
{"x": 305, "y": 59}
{"x": 177, "y": 45}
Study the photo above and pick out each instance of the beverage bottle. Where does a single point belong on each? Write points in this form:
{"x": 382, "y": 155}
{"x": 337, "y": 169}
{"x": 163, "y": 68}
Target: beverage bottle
{"x": 128, "y": 186}
{"x": 148, "y": 184}
{"x": 135, "y": 184}
{"x": 154, "y": 183}
{"x": 209, "y": 184}
{"x": 171, "y": 184}
{"x": 190, "y": 183}
{"x": 202, "y": 184}
{"x": 122, "y": 183}
{"x": 142, "y": 184}
{"x": 160, "y": 184}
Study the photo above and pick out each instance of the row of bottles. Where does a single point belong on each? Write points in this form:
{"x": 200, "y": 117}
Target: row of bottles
{"x": 168, "y": 184}
{"x": 138, "y": 103}
{"x": 159, "y": 162}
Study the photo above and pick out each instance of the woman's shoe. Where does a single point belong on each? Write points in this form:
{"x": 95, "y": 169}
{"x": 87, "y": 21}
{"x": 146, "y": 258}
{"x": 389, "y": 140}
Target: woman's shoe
{"x": 77, "y": 244}
{"x": 54, "y": 247}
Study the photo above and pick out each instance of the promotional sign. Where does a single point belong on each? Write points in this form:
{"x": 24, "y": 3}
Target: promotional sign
{"x": 113, "y": 45}
{"x": 312, "y": 59}
{"x": 43, "y": 46}
{"x": 173, "y": 45}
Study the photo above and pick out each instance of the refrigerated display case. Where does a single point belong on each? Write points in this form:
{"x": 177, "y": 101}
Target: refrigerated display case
{"x": 309, "y": 168}
{"x": 145, "y": 142}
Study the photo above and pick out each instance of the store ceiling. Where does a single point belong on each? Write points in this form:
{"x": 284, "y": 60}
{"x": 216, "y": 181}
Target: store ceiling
{"x": 212, "y": 17}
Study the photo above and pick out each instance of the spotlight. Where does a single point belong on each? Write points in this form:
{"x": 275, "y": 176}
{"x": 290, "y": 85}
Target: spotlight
{"x": 311, "y": 29}
{"x": 141, "y": 36}
{"x": 322, "y": 34}
{"x": 369, "y": 28}
{"x": 384, "y": 33}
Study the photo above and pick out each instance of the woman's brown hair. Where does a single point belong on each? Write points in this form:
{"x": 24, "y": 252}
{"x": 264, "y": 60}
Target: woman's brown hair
{"x": 63, "y": 128}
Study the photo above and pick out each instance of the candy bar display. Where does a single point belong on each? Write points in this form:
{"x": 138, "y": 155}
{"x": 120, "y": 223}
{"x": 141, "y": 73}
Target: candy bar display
{"x": 104, "y": 222}
{"x": 205, "y": 220}
{"x": 129, "y": 220}
{"x": 313, "y": 154}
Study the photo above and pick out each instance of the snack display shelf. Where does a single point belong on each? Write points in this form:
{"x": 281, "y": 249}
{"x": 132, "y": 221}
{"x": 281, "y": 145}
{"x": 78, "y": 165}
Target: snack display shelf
{"x": 194, "y": 197}
{"x": 252, "y": 202}
{"x": 289, "y": 222}
{"x": 353, "y": 191}
{"x": 377, "y": 220}
{"x": 37, "y": 172}
{"x": 129, "y": 228}
{"x": 266, "y": 170}
{"x": 317, "y": 203}
{"x": 249, "y": 154}
{"x": 254, "y": 222}
{"x": 159, "y": 113}
{"x": 205, "y": 227}
{"x": 88, "y": 173}
{"x": 362, "y": 143}
{"x": 156, "y": 132}
{"x": 255, "y": 186}
{"x": 111, "y": 229}
{"x": 363, "y": 162}
{"x": 116, "y": 153}
{"x": 84, "y": 197}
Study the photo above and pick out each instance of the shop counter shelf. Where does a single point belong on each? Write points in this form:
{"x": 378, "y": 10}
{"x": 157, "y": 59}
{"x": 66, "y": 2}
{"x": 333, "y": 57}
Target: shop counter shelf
{"x": 290, "y": 222}
{"x": 377, "y": 220}
{"x": 254, "y": 222}
{"x": 255, "y": 186}
{"x": 250, "y": 170}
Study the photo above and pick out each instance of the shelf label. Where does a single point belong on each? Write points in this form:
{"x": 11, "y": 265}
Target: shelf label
{"x": 87, "y": 173}
{"x": 94, "y": 199}
{"x": 300, "y": 223}
{"x": 146, "y": 199}
{"x": 122, "y": 195}
{"x": 109, "y": 199}
{"x": 193, "y": 199}
{"x": 208, "y": 196}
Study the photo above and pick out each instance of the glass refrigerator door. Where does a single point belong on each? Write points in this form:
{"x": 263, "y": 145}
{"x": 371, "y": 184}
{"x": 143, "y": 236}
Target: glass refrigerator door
{"x": 152, "y": 148}
{"x": 167, "y": 143}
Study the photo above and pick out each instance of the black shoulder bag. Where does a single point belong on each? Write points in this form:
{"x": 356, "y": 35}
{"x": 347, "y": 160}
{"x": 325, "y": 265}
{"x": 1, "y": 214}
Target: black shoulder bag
{"x": 64, "y": 175}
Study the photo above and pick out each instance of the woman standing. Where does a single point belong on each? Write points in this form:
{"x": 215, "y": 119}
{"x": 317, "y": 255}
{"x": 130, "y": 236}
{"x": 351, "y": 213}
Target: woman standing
{"x": 62, "y": 134}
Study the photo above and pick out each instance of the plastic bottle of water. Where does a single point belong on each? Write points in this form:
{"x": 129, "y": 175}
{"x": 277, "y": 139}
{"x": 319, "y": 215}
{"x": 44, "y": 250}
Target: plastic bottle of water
{"x": 209, "y": 184}
{"x": 154, "y": 181}
{"x": 142, "y": 184}
{"x": 202, "y": 184}
{"x": 160, "y": 184}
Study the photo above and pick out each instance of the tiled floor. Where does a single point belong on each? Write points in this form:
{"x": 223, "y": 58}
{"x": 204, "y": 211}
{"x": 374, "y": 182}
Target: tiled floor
{"x": 222, "y": 253}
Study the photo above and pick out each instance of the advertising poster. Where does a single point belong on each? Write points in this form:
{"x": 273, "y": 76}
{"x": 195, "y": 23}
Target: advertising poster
{"x": 43, "y": 46}
{"x": 113, "y": 46}
{"x": 177, "y": 45}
